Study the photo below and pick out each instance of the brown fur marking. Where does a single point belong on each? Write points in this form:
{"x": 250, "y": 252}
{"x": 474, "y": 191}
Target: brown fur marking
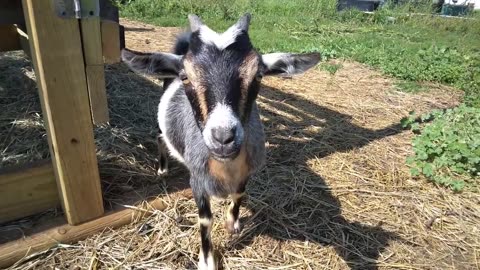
{"x": 247, "y": 71}
{"x": 195, "y": 78}
{"x": 231, "y": 173}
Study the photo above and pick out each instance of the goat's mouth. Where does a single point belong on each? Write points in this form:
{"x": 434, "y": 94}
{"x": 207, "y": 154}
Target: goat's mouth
{"x": 225, "y": 153}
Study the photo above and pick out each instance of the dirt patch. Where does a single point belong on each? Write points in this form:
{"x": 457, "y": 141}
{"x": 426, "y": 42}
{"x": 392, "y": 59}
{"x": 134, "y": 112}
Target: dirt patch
{"x": 336, "y": 193}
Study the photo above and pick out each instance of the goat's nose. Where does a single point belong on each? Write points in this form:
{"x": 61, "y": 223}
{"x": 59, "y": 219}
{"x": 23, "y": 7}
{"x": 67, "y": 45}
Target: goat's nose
{"x": 224, "y": 135}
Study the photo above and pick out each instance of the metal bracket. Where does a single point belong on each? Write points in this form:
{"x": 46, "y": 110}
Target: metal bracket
{"x": 79, "y": 9}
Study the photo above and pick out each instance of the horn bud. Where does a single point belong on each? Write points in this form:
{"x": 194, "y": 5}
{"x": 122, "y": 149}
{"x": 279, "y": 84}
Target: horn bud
{"x": 195, "y": 22}
{"x": 244, "y": 22}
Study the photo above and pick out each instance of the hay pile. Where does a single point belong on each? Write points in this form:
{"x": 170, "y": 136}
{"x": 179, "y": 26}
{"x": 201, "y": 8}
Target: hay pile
{"x": 336, "y": 193}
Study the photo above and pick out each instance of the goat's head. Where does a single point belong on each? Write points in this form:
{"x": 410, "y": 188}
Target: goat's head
{"x": 221, "y": 75}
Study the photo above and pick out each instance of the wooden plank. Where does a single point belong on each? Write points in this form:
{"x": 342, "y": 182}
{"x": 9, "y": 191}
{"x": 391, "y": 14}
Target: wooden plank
{"x": 13, "y": 251}
{"x": 9, "y": 38}
{"x": 24, "y": 43}
{"x": 110, "y": 42}
{"x": 92, "y": 41}
{"x": 92, "y": 50}
{"x": 27, "y": 190}
{"x": 60, "y": 72}
{"x": 97, "y": 93}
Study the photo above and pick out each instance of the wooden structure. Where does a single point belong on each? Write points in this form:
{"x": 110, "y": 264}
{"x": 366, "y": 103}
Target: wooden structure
{"x": 68, "y": 52}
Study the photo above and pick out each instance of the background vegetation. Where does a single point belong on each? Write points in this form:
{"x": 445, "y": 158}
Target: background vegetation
{"x": 404, "y": 41}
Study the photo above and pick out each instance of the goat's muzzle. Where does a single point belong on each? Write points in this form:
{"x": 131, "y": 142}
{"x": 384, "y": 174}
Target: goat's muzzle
{"x": 224, "y": 143}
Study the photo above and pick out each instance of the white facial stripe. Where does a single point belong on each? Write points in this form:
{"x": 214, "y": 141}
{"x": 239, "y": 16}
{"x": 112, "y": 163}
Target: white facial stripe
{"x": 222, "y": 116}
{"x": 223, "y": 40}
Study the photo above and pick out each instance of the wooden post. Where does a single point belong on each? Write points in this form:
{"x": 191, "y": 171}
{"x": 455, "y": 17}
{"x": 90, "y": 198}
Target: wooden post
{"x": 26, "y": 190}
{"x": 94, "y": 69}
{"x": 111, "y": 41}
{"x": 56, "y": 48}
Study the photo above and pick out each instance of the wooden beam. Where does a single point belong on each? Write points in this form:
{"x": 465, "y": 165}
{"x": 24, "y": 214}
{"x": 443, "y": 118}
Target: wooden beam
{"x": 60, "y": 71}
{"x": 13, "y": 251}
{"x": 27, "y": 190}
{"x": 9, "y": 38}
{"x": 110, "y": 41}
{"x": 92, "y": 50}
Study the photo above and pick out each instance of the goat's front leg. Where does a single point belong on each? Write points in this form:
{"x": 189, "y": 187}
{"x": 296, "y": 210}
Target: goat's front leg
{"x": 162, "y": 154}
{"x": 206, "y": 257}
{"x": 232, "y": 224}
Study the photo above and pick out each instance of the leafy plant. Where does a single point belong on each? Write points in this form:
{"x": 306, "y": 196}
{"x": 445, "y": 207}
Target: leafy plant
{"x": 447, "y": 151}
{"x": 331, "y": 68}
{"x": 410, "y": 87}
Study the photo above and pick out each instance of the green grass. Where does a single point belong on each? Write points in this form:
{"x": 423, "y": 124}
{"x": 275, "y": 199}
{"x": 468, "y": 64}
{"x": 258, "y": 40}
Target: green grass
{"x": 410, "y": 48}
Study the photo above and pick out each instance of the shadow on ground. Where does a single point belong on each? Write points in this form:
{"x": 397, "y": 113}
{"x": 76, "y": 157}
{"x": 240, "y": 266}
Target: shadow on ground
{"x": 291, "y": 199}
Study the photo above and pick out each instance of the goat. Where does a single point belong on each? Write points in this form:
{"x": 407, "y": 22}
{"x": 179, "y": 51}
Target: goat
{"x": 208, "y": 117}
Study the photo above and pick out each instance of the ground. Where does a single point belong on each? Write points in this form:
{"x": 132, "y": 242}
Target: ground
{"x": 335, "y": 194}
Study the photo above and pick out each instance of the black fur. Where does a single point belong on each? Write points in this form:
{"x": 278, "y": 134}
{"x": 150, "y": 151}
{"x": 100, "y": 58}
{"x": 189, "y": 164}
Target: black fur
{"x": 182, "y": 43}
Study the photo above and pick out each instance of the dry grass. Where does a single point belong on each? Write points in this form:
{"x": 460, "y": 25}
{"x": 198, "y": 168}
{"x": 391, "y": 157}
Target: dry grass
{"x": 336, "y": 193}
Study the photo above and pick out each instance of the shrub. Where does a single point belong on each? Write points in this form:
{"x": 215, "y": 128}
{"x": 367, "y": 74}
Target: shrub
{"x": 447, "y": 151}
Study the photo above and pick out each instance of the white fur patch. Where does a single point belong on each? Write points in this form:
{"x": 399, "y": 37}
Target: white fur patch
{"x": 222, "y": 40}
{"x": 270, "y": 59}
{"x": 231, "y": 218}
{"x": 222, "y": 116}
{"x": 162, "y": 172}
{"x": 205, "y": 222}
{"x": 208, "y": 264}
{"x": 236, "y": 225}
{"x": 162, "y": 120}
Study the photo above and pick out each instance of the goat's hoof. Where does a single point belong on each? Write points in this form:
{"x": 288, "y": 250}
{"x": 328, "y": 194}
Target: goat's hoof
{"x": 233, "y": 227}
{"x": 209, "y": 264}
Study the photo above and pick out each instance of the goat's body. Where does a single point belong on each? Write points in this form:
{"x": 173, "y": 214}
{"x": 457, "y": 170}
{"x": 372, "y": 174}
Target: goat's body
{"x": 208, "y": 117}
{"x": 185, "y": 143}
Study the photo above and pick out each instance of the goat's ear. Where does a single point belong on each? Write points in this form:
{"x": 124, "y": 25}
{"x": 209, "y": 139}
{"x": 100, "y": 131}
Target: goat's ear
{"x": 286, "y": 64}
{"x": 163, "y": 65}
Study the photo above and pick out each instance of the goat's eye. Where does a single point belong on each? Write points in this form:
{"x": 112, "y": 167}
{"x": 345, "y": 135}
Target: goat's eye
{"x": 184, "y": 78}
{"x": 259, "y": 76}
